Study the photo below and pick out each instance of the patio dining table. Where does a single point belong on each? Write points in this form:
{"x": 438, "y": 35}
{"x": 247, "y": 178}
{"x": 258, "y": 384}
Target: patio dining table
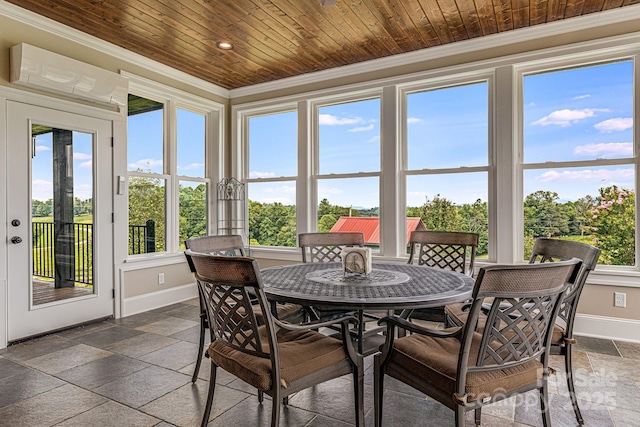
{"x": 389, "y": 286}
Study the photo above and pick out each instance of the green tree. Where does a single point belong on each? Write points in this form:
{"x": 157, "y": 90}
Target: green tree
{"x": 440, "y": 214}
{"x": 193, "y": 211}
{"x": 326, "y": 223}
{"x": 612, "y": 223}
{"x": 147, "y": 201}
{"x": 475, "y": 219}
{"x": 544, "y": 216}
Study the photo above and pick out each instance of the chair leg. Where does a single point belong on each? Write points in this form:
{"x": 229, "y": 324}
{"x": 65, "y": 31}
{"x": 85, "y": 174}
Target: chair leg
{"x": 200, "y": 349}
{"x": 544, "y": 404}
{"x": 260, "y": 396}
{"x": 478, "y": 415}
{"x": 378, "y": 390}
{"x": 570, "y": 385}
{"x": 275, "y": 408}
{"x": 459, "y": 416}
{"x": 358, "y": 391}
{"x": 212, "y": 389}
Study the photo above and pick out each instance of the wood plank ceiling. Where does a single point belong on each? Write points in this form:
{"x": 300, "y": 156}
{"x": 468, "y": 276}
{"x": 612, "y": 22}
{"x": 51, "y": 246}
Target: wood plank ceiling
{"x": 274, "y": 39}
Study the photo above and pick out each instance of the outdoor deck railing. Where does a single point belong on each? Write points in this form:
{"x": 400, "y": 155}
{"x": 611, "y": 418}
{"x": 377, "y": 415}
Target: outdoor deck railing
{"x": 141, "y": 240}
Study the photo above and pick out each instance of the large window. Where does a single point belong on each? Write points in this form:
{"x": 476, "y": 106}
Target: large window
{"x": 348, "y": 168}
{"x": 514, "y": 152}
{"x": 168, "y": 183}
{"x": 578, "y": 158}
{"x": 448, "y": 159}
{"x": 272, "y": 174}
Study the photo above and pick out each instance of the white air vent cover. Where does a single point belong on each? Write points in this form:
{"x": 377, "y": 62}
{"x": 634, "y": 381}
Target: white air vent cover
{"x": 38, "y": 68}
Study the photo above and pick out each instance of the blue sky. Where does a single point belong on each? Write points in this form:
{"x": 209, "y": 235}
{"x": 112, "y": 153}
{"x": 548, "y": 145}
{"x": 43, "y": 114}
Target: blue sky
{"x": 578, "y": 114}
{"x": 42, "y": 166}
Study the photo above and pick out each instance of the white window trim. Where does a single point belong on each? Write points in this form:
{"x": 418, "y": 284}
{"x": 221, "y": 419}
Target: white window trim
{"x": 214, "y": 113}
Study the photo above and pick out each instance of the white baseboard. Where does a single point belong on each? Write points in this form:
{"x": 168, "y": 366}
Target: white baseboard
{"x": 141, "y": 303}
{"x": 614, "y": 328}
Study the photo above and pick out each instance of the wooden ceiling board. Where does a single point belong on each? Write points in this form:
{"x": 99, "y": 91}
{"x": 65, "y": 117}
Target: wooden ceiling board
{"x": 274, "y": 39}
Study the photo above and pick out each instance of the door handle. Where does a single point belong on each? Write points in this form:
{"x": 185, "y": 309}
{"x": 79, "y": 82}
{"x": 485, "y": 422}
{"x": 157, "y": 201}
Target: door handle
{"x": 16, "y": 239}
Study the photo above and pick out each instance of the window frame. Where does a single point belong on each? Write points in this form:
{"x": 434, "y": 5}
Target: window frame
{"x": 584, "y": 59}
{"x": 489, "y": 169}
{"x": 505, "y": 173}
{"x": 213, "y": 112}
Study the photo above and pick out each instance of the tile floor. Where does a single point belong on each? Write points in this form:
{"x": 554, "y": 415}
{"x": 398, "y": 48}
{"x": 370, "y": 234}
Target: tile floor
{"x": 136, "y": 371}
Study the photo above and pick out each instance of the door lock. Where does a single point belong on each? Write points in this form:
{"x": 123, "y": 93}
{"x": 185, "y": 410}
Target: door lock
{"x": 15, "y": 222}
{"x": 16, "y": 239}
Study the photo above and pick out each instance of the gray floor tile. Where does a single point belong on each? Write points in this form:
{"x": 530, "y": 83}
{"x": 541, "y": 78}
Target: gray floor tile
{"x": 250, "y": 413}
{"x": 139, "y": 319}
{"x": 141, "y": 344}
{"x": 596, "y": 345}
{"x": 168, "y": 326}
{"x": 628, "y": 350}
{"x": 25, "y": 384}
{"x": 107, "y": 337}
{"x": 185, "y": 311}
{"x": 174, "y": 356}
{"x": 185, "y": 406}
{"x": 102, "y": 371}
{"x": 143, "y": 386}
{"x": 111, "y": 414}
{"x": 67, "y": 358}
{"x": 35, "y": 348}
{"x": 51, "y": 407}
{"x": 9, "y": 368}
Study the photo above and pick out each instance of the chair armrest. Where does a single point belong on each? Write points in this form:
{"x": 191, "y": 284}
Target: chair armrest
{"x": 412, "y": 327}
{"x": 339, "y": 318}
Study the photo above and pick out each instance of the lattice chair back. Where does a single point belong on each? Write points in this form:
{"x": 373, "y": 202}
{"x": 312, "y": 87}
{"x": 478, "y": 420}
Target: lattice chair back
{"x": 448, "y": 250}
{"x": 231, "y": 245}
{"x": 526, "y": 301}
{"x": 227, "y": 284}
{"x": 552, "y": 250}
{"x": 327, "y": 247}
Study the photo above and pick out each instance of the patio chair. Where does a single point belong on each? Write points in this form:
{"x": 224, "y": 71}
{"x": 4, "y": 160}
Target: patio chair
{"x": 448, "y": 250}
{"x": 228, "y": 246}
{"x": 327, "y": 247}
{"x": 550, "y": 250}
{"x": 276, "y": 357}
{"x": 465, "y": 369}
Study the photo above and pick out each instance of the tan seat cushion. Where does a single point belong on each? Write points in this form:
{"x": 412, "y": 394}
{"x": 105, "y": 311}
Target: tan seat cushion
{"x": 301, "y": 353}
{"x": 436, "y": 359}
{"x": 284, "y": 311}
{"x": 458, "y": 313}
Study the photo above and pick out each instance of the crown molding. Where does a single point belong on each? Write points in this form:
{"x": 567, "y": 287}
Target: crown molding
{"x": 43, "y": 23}
{"x": 551, "y": 29}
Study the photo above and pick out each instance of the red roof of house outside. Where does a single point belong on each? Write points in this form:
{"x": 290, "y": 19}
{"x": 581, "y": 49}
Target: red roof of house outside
{"x": 370, "y": 227}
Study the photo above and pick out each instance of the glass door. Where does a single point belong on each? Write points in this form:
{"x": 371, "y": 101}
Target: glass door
{"x": 58, "y": 208}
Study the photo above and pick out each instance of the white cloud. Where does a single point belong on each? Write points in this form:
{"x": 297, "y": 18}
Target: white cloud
{"x": 86, "y": 165}
{"x": 582, "y": 96}
{"x": 256, "y": 174}
{"x": 42, "y": 189}
{"x": 413, "y": 120}
{"x": 191, "y": 166}
{"x": 567, "y": 117}
{"x": 330, "y": 120}
{"x": 615, "y": 125}
{"x": 361, "y": 128}
{"x": 325, "y": 192}
{"x": 145, "y": 164}
{"x": 586, "y": 175}
{"x": 374, "y": 139}
{"x": 81, "y": 156}
{"x": 42, "y": 148}
{"x": 607, "y": 148}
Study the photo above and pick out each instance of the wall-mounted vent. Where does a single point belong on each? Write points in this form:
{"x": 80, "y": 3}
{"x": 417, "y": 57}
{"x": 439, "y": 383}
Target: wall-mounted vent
{"x": 41, "y": 69}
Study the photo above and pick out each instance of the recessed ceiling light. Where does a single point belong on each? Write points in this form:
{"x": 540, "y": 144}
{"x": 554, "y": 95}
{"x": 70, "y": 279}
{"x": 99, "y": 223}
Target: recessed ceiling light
{"x": 224, "y": 45}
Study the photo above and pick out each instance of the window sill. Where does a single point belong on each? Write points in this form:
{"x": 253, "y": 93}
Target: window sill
{"x": 139, "y": 262}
